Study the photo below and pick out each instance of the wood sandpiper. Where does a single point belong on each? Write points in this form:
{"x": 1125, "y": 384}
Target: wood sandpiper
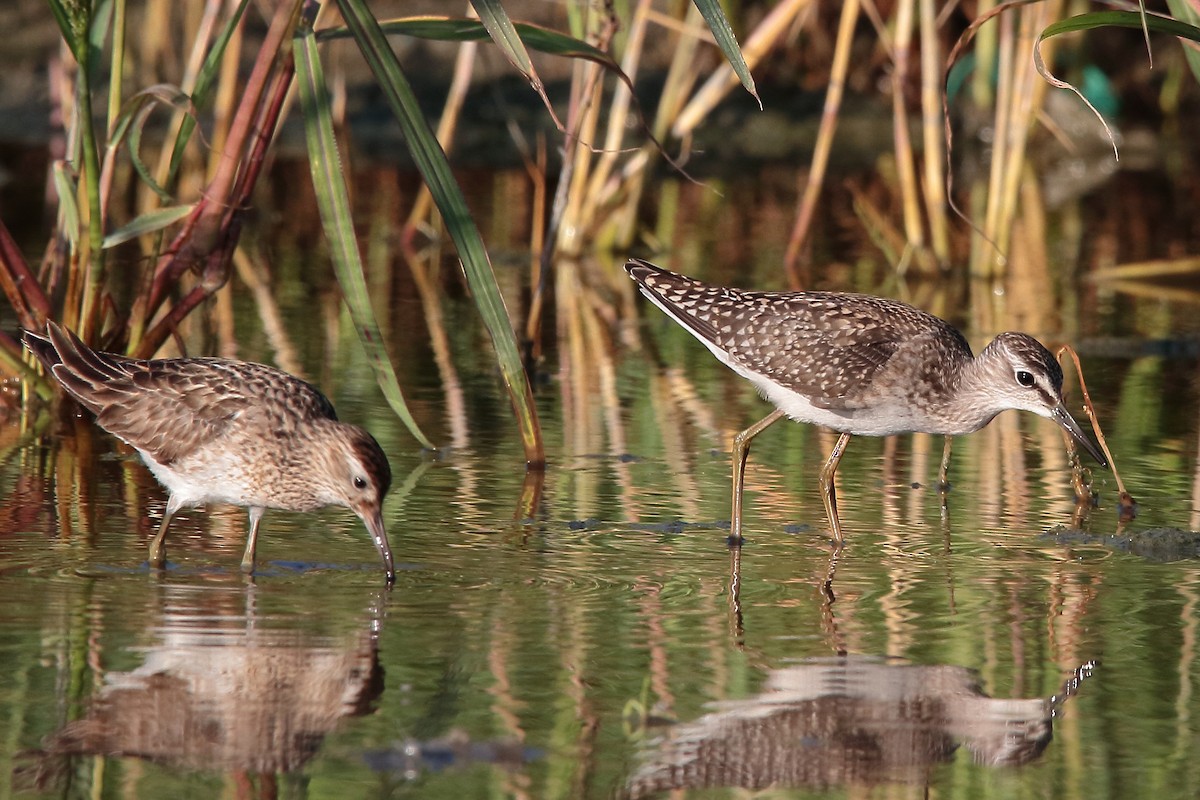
{"x": 859, "y": 365}
{"x": 224, "y": 431}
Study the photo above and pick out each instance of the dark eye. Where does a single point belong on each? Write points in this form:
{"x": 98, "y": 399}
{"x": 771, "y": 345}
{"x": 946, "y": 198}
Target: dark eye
{"x": 1024, "y": 378}
{"x": 360, "y": 482}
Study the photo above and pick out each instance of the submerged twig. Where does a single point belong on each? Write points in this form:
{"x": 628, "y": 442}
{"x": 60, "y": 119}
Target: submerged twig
{"x": 1125, "y": 501}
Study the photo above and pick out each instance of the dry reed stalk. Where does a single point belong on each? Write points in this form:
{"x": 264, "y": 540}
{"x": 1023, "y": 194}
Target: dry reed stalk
{"x": 1173, "y": 294}
{"x": 567, "y": 225}
{"x": 209, "y": 234}
{"x": 225, "y": 100}
{"x": 1090, "y": 410}
{"x": 1018, "y": 99}
{"x": 587, "y": 89}
{"x": 681, "y": 72}
{"x": 597, "y": 193}
{"x": 539, "y": 266}
{"x": 456, "y": 96}
{"x": 906, "y": 171}
{"x": 820, "y": 158}
{"x": 681, "y": 76}
{"x": 758, "y": 44}
{"x": 931, "y": 128}
{"x": 155, "y": 44}
{"x": 1026, "y": 99}
{"x": 206, "y": 29}
{"x": 1148, "y": 270}
{"x": 1031, "y": 302}
{"x": 986, "y": 263}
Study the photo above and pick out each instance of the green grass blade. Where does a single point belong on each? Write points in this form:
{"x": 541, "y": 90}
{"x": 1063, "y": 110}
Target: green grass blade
{"x": 149, "y": 222}
{"x": 129, "y": 123}
{"x": 1107, "y": 19}
{"x": 66, "y": 25}
{"x": 431, "y": 161}
{"x": 69, "y": 224}
{"x": 209, "y": 71}
{"x": 461, "y": 29}
{"x": 333, "y": 200}
{"x": 495, "y": 19}
{"x": 1123, "y": 19}
{"x": 504, "y": 34}
{"x": 723, "y": 33}
{"x": 1186, "y": 12}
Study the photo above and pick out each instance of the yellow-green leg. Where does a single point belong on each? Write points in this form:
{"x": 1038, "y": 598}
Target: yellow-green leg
{"x": 944, "y": 472}
{"x": 252, "y": 540}
{"x": 741, "y": 451}
{"x": 828, "y": 492}
{"x": 158, "y": 550}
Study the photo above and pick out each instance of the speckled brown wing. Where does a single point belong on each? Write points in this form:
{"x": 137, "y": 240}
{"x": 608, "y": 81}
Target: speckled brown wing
{"x": 831, "y": 348}
{"x": 827, "y": 347}
{"x": 170, "y": 407}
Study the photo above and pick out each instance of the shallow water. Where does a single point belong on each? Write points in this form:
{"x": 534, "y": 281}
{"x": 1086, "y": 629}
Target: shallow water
{"x": 587, "y": 631}
{"x": 591, "y": 634}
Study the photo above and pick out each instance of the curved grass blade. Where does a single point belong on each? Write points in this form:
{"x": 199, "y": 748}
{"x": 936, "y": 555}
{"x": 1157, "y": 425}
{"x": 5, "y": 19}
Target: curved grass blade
{"x": 334, "y": 203}
{"x": 431, "y": 161}
{"x": 69, "y": 223}
{"x": 208, "y": 73}
{"x": 495, "y": 19}
{"x": 149, "y": 222}
{"x": 133, "y": 119}
{"x": 73, "y": 21}
{"x": 461, "y": 29}
{"x": 535, "y": 37}
{"x": 723, "y": 33}
{"x": 1185, "y": 11}
{"x": 1107, "y": 19}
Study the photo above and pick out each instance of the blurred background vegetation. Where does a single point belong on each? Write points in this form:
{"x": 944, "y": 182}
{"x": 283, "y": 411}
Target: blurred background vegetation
{"x": 258, "y": 179}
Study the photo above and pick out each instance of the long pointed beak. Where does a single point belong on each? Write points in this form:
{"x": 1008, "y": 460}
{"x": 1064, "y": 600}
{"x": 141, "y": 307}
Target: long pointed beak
{"x": 1068, "y": 423}
{"x": 374, "y": 522}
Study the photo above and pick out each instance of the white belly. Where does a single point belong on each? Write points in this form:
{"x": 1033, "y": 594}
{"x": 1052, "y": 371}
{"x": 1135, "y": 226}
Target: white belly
{"x": 217, "y": 480}
{"x": 880, "y": 420}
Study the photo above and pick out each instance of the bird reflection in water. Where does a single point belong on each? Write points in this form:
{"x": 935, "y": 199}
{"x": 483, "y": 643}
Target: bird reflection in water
{"x": 226, "y": 690}
{"x": 848, "y": 721}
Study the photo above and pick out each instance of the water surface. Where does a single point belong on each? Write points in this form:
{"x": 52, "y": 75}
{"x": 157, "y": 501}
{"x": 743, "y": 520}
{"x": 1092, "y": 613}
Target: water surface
{"x": 587, "y": 632}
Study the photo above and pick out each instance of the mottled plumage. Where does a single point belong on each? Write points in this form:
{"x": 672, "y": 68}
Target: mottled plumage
{"x": 217, "y": 430}
{"x": 859, "y": 364}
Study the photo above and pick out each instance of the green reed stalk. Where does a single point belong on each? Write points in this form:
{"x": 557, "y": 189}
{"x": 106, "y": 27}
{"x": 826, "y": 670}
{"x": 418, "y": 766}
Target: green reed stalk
{"x": 432, "y": 163}
{"x": 333, "y": 199}
{"x": 77, "y": 23}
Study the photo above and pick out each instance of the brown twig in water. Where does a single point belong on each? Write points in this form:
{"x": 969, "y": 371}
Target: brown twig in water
{"x": 1126, "y": 500}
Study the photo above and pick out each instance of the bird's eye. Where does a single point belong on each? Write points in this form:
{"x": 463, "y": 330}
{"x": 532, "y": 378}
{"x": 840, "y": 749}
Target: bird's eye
{"x": 360, "y": 482}
{"x": 1025, "y": 378}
